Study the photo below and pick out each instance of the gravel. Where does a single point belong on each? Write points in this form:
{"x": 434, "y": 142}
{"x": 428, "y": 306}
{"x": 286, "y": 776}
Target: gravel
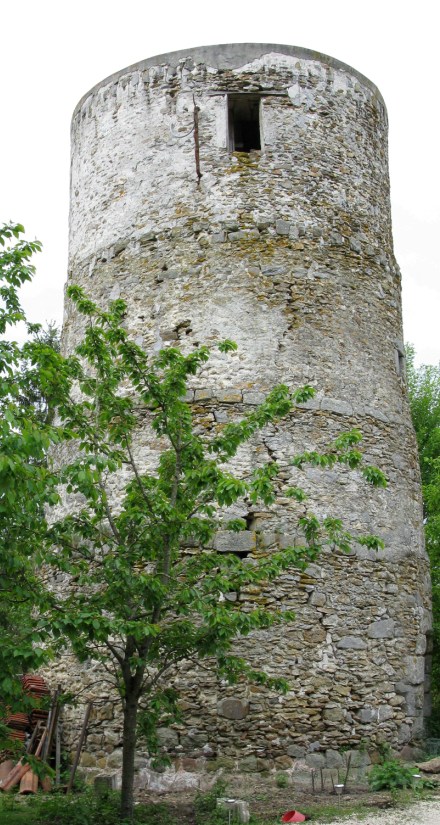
{"x": 423, "y": 813}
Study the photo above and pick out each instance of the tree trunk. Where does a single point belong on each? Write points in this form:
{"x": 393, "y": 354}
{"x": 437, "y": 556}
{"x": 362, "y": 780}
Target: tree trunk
{"x": 128, "y": 755}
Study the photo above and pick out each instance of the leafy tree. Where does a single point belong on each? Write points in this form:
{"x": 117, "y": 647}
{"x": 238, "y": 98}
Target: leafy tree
{"x": 147, "y": 591}
{"x": 424, "y": 393}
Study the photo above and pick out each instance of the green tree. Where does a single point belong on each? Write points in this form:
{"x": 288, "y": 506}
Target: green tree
{"x": 424, "y": 394}
{"x": 147, "y": 591}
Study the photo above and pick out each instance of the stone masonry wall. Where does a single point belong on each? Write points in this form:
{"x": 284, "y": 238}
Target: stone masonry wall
{"x": 288, "y": 251}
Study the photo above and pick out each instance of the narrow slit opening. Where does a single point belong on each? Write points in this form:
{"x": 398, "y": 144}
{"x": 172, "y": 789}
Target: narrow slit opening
{"x": 400, "y": 362}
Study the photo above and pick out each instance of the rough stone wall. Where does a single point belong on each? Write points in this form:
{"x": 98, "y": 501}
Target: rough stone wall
{"x": 288, "y": 251}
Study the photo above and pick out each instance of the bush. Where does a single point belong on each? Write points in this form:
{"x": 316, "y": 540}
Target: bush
{"x": 390, "y": 776}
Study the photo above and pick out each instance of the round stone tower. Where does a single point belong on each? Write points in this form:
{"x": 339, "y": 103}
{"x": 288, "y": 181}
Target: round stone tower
{"x": 241, "y": 191}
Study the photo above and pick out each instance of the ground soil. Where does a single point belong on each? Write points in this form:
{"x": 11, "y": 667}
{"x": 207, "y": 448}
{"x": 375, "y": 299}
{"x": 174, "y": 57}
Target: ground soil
{"x": 267, "y": 802}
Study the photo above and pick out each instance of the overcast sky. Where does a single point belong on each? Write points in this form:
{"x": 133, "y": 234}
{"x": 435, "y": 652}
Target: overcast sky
{"x": 51, "y": 53}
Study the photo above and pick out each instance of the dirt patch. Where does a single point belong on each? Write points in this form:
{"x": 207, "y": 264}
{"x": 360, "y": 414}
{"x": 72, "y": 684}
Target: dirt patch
{"x": 267, "y": 802}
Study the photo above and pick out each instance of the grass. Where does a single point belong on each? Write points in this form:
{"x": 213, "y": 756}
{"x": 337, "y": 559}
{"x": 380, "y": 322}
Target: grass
{"x": 13, "y": 812}
{"x": 84, "y": 808}
{"x": 334, "y": 812}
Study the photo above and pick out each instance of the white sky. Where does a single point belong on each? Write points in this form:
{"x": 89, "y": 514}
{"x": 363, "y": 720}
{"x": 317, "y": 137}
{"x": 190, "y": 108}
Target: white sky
{"x": 51, "y": 53}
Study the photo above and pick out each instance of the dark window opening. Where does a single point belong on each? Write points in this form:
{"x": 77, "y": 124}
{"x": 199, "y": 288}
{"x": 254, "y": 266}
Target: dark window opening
{"x": 244, "y": 123}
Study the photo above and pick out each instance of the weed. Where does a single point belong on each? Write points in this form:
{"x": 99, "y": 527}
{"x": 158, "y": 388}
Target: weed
{"x": 385, "y": 752}
{"x": 282, "y": 780}
{"x": 391, "y": 775}
{"x": 205, "y": 805}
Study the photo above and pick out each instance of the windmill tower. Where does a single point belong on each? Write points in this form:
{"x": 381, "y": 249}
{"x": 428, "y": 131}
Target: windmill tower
{"x": 242, "y": 191}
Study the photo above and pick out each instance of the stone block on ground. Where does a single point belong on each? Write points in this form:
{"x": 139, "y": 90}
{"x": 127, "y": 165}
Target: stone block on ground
{"x": 431, "y": 766}
{"x": 238, "y": 808}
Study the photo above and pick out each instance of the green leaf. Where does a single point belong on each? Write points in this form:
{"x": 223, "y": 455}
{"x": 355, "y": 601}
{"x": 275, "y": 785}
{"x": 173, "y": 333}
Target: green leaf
{"x": 227, "y": 346}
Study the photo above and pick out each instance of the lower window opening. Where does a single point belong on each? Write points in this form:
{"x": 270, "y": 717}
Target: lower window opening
{"x": 241, "y": 554}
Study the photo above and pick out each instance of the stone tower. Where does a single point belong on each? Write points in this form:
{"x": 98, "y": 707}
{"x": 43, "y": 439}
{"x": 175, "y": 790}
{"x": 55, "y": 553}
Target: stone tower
{"x": 242, "y": 191}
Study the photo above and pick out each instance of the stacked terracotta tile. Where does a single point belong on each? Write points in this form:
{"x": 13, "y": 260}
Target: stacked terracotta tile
{"x": 18, "y": 723}
{"x": 36, "y": 687}
{"x": 21, "y": 724}
{"x": 20, "y": 727}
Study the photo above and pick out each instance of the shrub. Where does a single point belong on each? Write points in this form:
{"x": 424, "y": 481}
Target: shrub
{"x": 391, "y": 775}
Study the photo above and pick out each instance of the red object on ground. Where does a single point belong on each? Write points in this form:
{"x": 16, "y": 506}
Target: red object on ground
{"x": 293, "y": 816}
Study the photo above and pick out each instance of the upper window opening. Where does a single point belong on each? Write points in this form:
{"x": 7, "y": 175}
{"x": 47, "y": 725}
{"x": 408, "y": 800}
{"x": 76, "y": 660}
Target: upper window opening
{"x": 244, "y": 123}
